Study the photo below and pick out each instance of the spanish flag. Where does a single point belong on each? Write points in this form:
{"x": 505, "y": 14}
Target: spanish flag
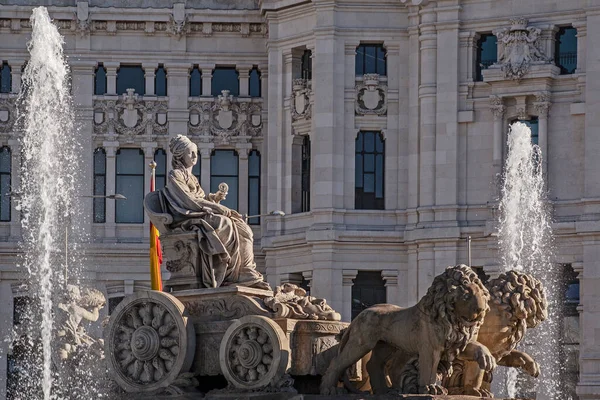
{"x": 155, "y": 249}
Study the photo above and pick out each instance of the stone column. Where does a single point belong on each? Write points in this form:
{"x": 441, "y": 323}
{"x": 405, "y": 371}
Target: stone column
{"x": 426, "y": 268}
{"x": 244, "y": 79}
{"x": 542, "y": 105}
{"x": 207, "y": 71}
{"x": 351, "y": 132}
{"x": 581, "y": 45}
{"x": 149, "y": 74}
{"x": 205, "y": 167}
{"x": 178, "y": 90}
{"x": 413, "y": 116}
{"x": 497, "y": 107}
{"x": 348, "y": 276}
{"x": 110, "y": 227}
{"x": 15, "y": 70}
{"x": 428, "y": 99}
{"x": 111, "y": 77}
{"x": 273, "y": 147}
{"x": 390, "y": 278}
{"x": 446, "y": 108}
{"x": 243, "y": 179}
{"x": 288, "y": 137}
{"x": 83, "y": 92}
{"x": 15, "y": 178}
{"x": 410, "y": 285}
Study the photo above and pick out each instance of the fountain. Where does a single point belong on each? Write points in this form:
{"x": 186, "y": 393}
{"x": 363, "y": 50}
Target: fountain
{"x": 49, "y": 179}
{"x": 525, "y": 239}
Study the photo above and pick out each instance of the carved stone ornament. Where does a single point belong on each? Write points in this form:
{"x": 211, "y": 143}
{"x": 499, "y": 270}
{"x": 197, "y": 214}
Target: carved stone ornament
{"x": 497, "y": 106}
{"x": 519, "y": 47}
{"x": 542, "y": 104}
{"x": 149, "y": 342}
{"x": 291, "y": 301}
{"x": 8, "y": 113}
{"x": 301, "y": 95}
{"x": 371, "y": 96}
{"x": 130, "y": 116}
{"x": 254, "y": 353}
{"x": 225, "y": 119}
{"x": 177, "y": 27}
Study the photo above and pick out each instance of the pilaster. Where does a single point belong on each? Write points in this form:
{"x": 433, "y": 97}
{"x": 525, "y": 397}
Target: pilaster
{"x": 348, "y": 276}
{"x": 110, "y": 226}
{"x": 111, "y": 77}
{"x": 244, "y": 77}
{"x": 390, "y": 278}
{"x": 15, "y": 69}
{"x": 207, "y": 72}
{"x": 15, "y": 177}
{"x": 149, "y": 75}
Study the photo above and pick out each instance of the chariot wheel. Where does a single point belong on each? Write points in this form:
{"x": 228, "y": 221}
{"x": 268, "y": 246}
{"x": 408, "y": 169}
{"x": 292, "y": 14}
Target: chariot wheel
{"x": 149, "y": 342}
{"x": 254, "y": 353}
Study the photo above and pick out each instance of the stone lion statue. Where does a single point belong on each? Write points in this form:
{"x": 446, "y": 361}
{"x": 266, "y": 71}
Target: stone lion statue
{"x": 439, "y": 328}
{"x": 518, "y": 302}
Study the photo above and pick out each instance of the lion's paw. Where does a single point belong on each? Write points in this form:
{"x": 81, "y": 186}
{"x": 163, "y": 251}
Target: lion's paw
{"x": 532, "y": 368}
{"x": 432, "y": 389}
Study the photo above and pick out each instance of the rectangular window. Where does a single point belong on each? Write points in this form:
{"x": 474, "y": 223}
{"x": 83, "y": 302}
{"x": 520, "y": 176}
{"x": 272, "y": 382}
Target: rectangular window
{"x": 160, "y": 81}
{"x": 99, "y": 185}
{"x": 5, "y": 168}
{"x": 224, "y": 168}
{"x": 305, "y": 174}
{"x": 196, "y": 169}
{"x": 565, "y": 56}
{"x": 130, "y": 183}
{"x": 371, "y": 59}
{"x": 160, "y": 173}
{"x": 370, "y": 164}
{"x": 254, "y": 83}
{"x": 225, "y": 78}
{"x": 368, "y": 289}
{"x": 487, "y": 54}
{"x": 131, "y": 77}
{"x": 533, "y": 124}
{"x": 195, "y": 82}
{"x": 100, "y": 80}
{"x": 254, "y": 186}
{"x": 306, "y": 67}
{"x": 5, "y": 78}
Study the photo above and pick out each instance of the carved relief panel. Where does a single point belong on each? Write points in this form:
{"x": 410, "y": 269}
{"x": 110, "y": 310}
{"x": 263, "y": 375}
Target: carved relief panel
{"x": 8, "y": 114}
{"x": 225, "y": 119}
{"x": 371, "y": 95}
{"x": 301, "y": 100}
{"x": 129, "y": 116}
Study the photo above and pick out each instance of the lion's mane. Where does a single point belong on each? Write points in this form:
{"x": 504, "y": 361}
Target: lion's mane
{"x": 439, "y": 303}
{"x": 523, "y": 300}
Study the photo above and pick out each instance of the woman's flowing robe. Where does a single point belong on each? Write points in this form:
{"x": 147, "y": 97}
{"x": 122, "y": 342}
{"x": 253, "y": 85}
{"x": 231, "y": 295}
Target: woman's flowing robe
{"x": 225, "y": 242}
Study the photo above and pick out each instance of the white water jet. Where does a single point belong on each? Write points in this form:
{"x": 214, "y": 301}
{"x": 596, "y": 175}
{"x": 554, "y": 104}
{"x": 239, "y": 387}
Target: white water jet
{"x": 48, "y": 175}
{"x": 525, "y": 238}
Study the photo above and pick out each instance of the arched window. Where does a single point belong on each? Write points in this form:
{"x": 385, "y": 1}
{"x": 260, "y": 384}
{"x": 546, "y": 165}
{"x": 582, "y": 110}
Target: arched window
{"x": 224, "y": 168}
{"x": 225, "y": 78}
{"x": 5, "y": 78}
{"x": 5, "y": 168}
{"x": 371, "y": 59}
{"x": 305, "y": 174}
{"x": 487, "y": 54}
{"x": 565, "y": 56}
{"x": 306, "y": 66}
{"x": 160, "y": 81}
{"x": 131, "y": 77}
{"x": 254, "y": 83}
{"x": 130, "y": 183}
{"x": 100, "y": 80}
{"x": 254, "y": 186}
{"x": 368, "y": 289}
{"x": 369, "y": 182}
{"x": 160, "y": 173}
{"x": 195, "y": 82}
{"x": 99, "y": 185}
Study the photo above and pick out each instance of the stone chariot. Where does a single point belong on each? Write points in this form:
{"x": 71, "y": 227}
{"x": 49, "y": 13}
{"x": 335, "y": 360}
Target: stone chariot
{"x": 257, "y": 339}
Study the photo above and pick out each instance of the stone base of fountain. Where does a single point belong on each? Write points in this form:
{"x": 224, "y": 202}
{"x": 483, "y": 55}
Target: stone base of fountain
{"x": 292, "y": 396}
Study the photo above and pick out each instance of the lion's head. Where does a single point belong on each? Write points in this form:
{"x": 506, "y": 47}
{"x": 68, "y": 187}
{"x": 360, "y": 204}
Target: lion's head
{"x": 521, "y": 298}
{"x": 458, "y": 301}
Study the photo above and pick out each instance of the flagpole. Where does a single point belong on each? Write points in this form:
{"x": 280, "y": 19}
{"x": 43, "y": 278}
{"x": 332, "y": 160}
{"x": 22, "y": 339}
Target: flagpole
{"x": 155, "y": 275}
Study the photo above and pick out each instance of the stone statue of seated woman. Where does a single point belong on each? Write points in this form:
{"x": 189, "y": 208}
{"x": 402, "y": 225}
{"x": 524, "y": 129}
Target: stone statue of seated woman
{"x": 200, "y": 235}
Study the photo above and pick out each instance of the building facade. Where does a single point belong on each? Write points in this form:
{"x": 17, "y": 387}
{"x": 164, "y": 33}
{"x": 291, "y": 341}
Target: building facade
{"x": 378, "y": 127}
